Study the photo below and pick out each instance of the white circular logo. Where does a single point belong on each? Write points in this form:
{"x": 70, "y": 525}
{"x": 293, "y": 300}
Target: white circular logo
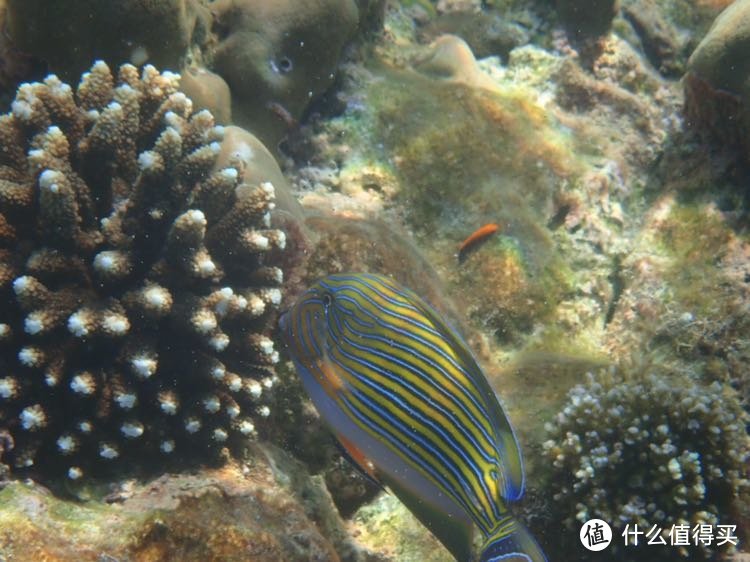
{"x": 596, "y": 534}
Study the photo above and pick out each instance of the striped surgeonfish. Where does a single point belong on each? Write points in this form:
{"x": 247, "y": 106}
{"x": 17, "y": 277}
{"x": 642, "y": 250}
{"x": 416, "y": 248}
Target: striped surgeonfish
{"x": 408, "y": 402}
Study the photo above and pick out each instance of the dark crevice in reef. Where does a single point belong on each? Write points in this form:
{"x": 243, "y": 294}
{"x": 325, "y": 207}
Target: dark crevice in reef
{"x": 618, "y": 286}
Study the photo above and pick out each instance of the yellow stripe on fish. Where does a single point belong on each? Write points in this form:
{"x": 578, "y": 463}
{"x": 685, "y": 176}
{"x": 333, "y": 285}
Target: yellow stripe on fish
{"x": 404, "y": 395}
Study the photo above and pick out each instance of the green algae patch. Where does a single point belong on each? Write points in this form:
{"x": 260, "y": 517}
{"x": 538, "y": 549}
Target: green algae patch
{"x": 57, "y": 529}
{"x": 424, "y": 5}
{"x": 507, "y": 289}
{"x": 467, "y": 151}
{"x": 462, "y": 151}
{"x": 386, "y": 526}
{"x": 696, "y": 237}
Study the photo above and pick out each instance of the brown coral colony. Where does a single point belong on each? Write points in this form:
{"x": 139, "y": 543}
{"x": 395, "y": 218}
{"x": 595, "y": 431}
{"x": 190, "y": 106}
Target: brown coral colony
{"x": 138, "y": 285}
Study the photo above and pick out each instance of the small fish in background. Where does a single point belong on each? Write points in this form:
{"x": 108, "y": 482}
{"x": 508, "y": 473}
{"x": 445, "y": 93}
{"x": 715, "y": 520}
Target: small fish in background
{"x": 408, "y": 402}
{"x": 475, "y": 240}
{"x": 283, "y": 114}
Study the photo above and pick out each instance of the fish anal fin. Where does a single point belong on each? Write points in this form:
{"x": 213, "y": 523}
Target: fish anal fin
{"x": 359, "y": 459}
{"x": 454, "y": 533}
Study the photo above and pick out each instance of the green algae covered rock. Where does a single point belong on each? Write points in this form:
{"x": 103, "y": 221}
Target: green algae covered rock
{"x": 265, "y": 509}
{"x": 387, "y": 526}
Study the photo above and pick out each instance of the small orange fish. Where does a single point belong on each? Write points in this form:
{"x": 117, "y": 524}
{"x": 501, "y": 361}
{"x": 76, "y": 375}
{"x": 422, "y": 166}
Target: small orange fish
{"x": 475, "y": 240}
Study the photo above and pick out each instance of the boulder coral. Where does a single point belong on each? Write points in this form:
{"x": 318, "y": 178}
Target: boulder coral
{"x": 717, "y": 82}
{"x": 650, "y": 449}
{"x": 138, "y": 278}
{"x": 208, "y": 91}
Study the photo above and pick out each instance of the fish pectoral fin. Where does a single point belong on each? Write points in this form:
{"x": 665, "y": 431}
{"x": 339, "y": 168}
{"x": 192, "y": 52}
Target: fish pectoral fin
{"x": 455, "y": 534}
{"x": 330, "y": 379}
{"x": 359, "y": 460}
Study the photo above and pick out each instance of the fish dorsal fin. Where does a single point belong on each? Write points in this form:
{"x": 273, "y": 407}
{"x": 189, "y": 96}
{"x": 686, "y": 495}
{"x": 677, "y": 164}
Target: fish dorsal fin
{"x": 359, "y": 460}
{"x": 512, "y": 479}
{"x": 454, "y": 533}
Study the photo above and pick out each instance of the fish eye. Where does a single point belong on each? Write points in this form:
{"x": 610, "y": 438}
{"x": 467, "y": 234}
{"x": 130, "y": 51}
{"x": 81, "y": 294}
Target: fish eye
{"x": 283, "y": 65}
{"x": 327, "y": 299}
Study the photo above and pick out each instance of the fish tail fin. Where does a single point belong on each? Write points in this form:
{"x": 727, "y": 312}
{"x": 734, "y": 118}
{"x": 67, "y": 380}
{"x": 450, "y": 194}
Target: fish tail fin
{"x": 510, "y": 541}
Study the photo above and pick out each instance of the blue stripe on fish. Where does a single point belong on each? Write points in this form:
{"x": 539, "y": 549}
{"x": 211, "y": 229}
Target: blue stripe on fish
{"x": 421, "y": 437}
{"x": 454, "y": 418}
{"x": 434, "y": 421}
{"x": 404, "y": 395}
{"x": 433, "y": 364}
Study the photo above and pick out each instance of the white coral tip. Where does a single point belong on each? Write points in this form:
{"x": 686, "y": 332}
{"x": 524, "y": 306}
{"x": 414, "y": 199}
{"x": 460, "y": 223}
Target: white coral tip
{"x": 246, "y": 427}
{"x": 82, "y": 384}
{"x": 143, "y": 365}
{"x": 77, "y": 324}
{"x": 34, "y": 323}
{"x": 131, "y": 430}
{"x": 147, "y": 160}
{"x": 32, "y": 417}
{"x": 116, "y": 324}
{"x": 108, "y": 451}
{"x": 49, "y": 179}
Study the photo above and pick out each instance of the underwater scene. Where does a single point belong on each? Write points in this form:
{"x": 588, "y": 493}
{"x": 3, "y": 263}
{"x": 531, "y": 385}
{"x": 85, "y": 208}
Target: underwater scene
{"x": 375, "y": 280}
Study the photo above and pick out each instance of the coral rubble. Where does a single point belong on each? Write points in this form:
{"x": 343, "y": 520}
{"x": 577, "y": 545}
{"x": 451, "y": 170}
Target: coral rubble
{"x": 650, "y": 450}
{"x": 137, "y": 284}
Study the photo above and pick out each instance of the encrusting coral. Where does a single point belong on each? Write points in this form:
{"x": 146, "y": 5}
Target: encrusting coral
{"x": 653, "y": 451}
{"x": 137, "y": 284}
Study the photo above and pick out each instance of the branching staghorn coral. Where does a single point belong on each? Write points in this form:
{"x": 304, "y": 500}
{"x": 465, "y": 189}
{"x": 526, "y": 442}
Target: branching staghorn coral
{"x": 650, "y": 450}
{"x": 137, "y": 285}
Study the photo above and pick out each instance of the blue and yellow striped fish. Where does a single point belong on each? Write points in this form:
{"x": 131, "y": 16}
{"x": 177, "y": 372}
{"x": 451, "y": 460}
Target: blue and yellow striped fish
{"x": 408, "y": 402}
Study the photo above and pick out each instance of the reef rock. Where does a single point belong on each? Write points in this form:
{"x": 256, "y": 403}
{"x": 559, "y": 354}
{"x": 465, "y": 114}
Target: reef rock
{"x": 138, "y": 285}
{"x": 68, "y": 35}
{"x": 587, "y": 18}
{"x": 717, "y": 83}
{"x": 266, "y": 509}
{"x": 487, "y": 33}
{"x": 662, "y": 43}
{"x": 208, "y": 91}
